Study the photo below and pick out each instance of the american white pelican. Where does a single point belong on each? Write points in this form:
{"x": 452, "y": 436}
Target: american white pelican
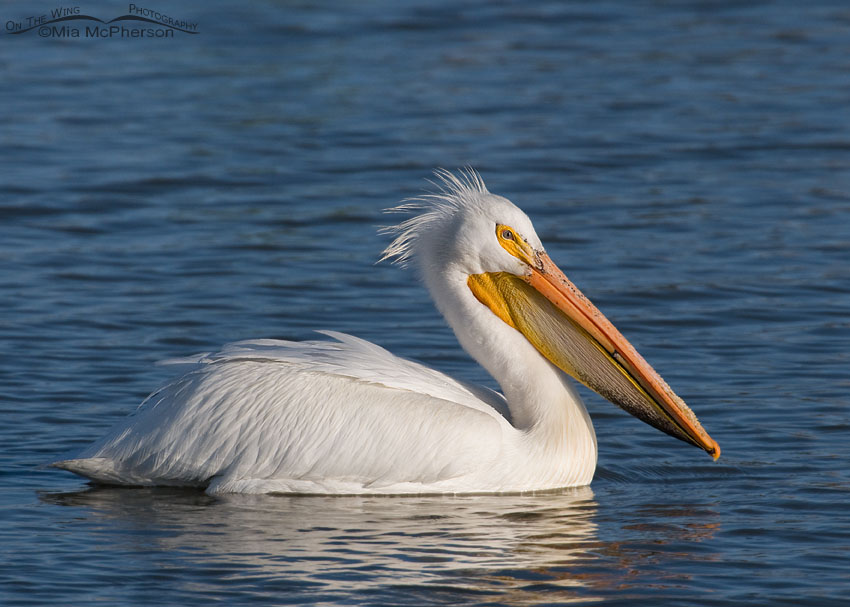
{"x": 346, "y": 416}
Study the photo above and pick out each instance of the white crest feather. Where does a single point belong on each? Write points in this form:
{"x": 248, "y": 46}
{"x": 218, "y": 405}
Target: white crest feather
{"x": 453, "y": 192}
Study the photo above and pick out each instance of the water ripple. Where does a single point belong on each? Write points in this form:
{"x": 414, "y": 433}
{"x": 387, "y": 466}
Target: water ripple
{"x": 688, "y": 169}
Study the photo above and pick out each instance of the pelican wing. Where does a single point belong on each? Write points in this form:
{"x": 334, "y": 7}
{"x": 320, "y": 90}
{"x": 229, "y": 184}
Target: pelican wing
{"x": 330, "y": 417}
{"x": 364, "y": 361}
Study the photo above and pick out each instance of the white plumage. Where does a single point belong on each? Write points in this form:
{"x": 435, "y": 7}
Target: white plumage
{"x": 346, "y": 416}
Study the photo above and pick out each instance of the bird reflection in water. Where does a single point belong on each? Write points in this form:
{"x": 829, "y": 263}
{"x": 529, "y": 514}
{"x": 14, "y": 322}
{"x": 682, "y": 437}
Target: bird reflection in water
{"x": 519, "y": 548}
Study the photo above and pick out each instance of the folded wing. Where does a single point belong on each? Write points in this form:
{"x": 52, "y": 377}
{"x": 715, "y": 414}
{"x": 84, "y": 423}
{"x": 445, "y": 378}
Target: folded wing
{"x": 272, "y": 415}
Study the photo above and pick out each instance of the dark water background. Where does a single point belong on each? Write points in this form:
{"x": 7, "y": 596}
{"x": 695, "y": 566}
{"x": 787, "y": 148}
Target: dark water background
{"x": 686, "y": 163}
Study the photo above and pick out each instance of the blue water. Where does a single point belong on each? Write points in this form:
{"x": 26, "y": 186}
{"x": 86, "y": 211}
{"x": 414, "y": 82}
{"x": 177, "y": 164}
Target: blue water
{"x": 687, "y": 164}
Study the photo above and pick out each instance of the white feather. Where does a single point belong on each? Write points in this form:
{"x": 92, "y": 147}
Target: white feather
{"x": 455, "y": 193}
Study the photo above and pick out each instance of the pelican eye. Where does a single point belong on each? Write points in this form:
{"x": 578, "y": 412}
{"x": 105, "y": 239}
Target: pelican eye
{"x": 513, "y": 243}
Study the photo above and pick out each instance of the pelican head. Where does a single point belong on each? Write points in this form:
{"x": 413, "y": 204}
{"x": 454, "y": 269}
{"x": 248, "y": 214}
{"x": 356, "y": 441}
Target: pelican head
{"x": 483, "y": 245}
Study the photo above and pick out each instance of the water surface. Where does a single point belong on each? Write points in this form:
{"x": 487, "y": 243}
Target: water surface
{"x": 686, "y": 164}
